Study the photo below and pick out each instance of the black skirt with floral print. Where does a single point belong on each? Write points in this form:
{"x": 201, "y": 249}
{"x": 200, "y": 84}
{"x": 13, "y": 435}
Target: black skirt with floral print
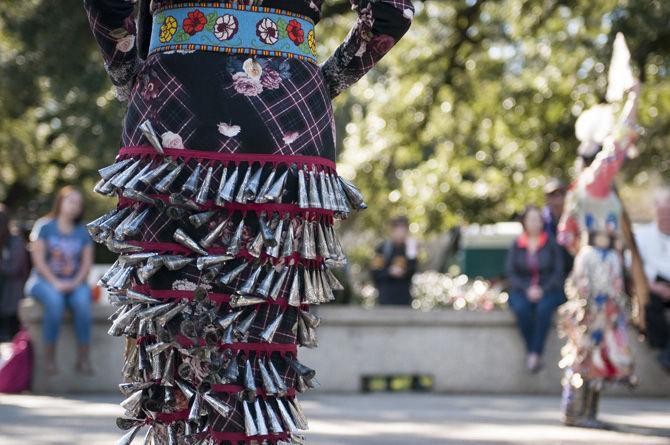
{"x": 228, "y": 193}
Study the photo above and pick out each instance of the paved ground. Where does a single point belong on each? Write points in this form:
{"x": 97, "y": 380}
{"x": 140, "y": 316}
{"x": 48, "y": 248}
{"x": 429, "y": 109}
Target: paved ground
{"x": 401, "y": 419}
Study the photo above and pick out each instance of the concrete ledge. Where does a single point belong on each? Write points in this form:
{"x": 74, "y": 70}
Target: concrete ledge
{"x": 466, "y": 352}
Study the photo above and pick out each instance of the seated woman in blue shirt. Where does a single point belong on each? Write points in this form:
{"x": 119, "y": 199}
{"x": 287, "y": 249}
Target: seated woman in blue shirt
{"x": 535, "y": 276}
{"x": 62, "y": 254}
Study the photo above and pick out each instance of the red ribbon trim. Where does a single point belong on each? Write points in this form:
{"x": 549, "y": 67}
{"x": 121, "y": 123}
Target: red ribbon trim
{"x": 185, "y": 153}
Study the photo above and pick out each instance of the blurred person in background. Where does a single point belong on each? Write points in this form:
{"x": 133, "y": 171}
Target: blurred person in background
{"x": 554, "y": 198}
{"x": 653, "y": 242}
{"x": 394, "y": 264}
{"x": 535, "y": 276}
{"x": 62, "y": 254}
{"x": 13, "y": 273}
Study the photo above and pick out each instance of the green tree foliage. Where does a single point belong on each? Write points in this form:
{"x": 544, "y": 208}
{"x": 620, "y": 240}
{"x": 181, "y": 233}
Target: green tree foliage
{"x": 463, "y": 121}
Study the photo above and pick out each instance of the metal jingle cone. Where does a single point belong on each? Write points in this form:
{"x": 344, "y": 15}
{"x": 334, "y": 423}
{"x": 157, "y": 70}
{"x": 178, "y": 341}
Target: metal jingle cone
{"x": 282, "y": 389}
{"x": 169, "y": 397}
{"x": 305, "y": 371}
{"x": 211, "y": 273}
{"x": 127, "y": 438}
{"x": 276, "y": 190}
{"x": 218, "y": 405}
{"x": 310, "y": 319}
{"x": 250, "y": 389}
{"x": 149, "y": 133}
{"x": 332, "y": 197}
{"x": 275, "y": 426}
{"x": 132, "y": 229}
{"x": 260, "y": 420}
{"x": 191, "y": 185}
{"x": 172, "y": 435}
{"x": 157, "y": 366}
{"x": 133, "y": 403}
{"x": 124, "y": 423}
{"x": 185, "y": 388}
{"x": 167, "y": 378}
{"x": 180, "y": 200}
{"x": 354, "y": 195}
{"x": 333, "y": 281}
{"x": 176, "y": 262}
{"x": 288, "y": 244}
{"x": 201, "y": 197}
{"x": 135, "y": 258}
{"x": 144, "y": 363}
{"x": 306, "y": 241}
{"x": 322, "y": 245}
{"x": 147, "y": 271}
{"x": 269, "y": 332}
{"x": 264, "y": 288}
{"x": 329, "y": 234}
{"x": 106, "y": 188}
{"x": 266, "y": 231}
{"x": 328, "y": 291}
{"x": 200, "y": 219}
{"x": 131, "y": 387}
{"x": 273, "y": 251}
{"x": 122, "y": 247}
{"x": 229, "y": 319}
{"x": 118, "y": 231}
{"x": 238, "y": 301}
{"x": 110, "y": 273}
{"x": 227, "y": 278}
{"x": 306, "y": 335}
{"x": 140, "y": 297}
{"x": 325, "y": 197}
{"x": 314, "y": 201}
{"x": 309, "y": 291}
{"x": 211, "y": 260}
{"x": 341, "y": 195}
{"x": 111, "y": 170}
{"x": 266, "y": 379}
{"x": 255, "y": 247}
{"x": 311, "y": 242}
{"x": 114, "y": 220}
{"x": 249, "y": 424}
{"x": 279, "y": 284}
{"x": 251, "y": 188}
{"x": 100, "y": 187}
{"x": 150, "y": 176}
{"x": 152, "y": 312}
{"x": 182, "y": 238}
{"x": 241, "y": 195}
{"x": 141, "y": 197}
{"x": 300, "y": 384}
{"x": 215, "y": 234}
{"x": 232, "y": 372}
{"x": 194, "y": 411}
{"x": 286, "y": 417}
{"x": 250, "y": 283}
{"x": 122, "y": 178}
{"x": 265, "y": 188}
{"x": 318, "y": 286}
{"x": 169, "y": 315}
{"x": 294, "y": 298}
{"x": 303, "y": 198}
{"x": 135, "y": 180}
{"x": 298, "y": 414}
{"x": 163, "y": 186}
{"x": 222, "y": 183}
{"x": 120, "y": 278}
{"x": 243, "y": 327}
{"x": 236, "y": 240}
{"x": 227, "y": 191}
{"x": 123, "y": 320}
{"x": 95, "y": 226}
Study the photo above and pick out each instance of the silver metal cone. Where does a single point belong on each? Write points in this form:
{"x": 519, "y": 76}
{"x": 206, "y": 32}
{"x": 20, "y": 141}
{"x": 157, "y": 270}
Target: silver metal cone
{"x": 325, "y": 197}
{"x": 149, "y": 437}
{"x": 116, "y": 267}
{"x": 131, "y": 387}
{"x": 294, "y": 298}
{"x": 105, "y": 188}
{"x": 191, "y": 185}
{"x": 200, "y": 219}
{"x": 229, "y": 319}
{"x": 140, "y": 297}
{"x": 305, "y": 371}
{"x": 135, "y": 258}
{"x": 288, "y": 420}
{"x": 125, "y": 423}
{"x": 215, "y": 234}
{"x": 279, "y": 381}
{"x": 119, "y": 280}
{"x": 306, "y": 335}
{"x": 182, "y": 238}
{"x": 227, "y": 192}
{"x": 251, "y": 188}
{"x": 114, "y": 220}
{"x": 211, "y": 260}
{"x": 219, "y": 406}
{"x": 120, "y": 179}
{"x": 236, "y": 240}
{"x": 122, "y": 247}
{"x": 178, "y": 199}
{"x": 332, "y": 196}
{"x": 266, "y": 231}
{"x": 309, "y": 291}
{"x": 132, "y": 229}
{"x": 127, "y": 438}
{"x": 133, "y": 403}
{"x": 279, "y": 284}
{"x": 169, "y": 315}
{"x": 123, "y": 320}
{"x": 185, "y": 388}
{"x": 167, "y": 379}
{"x": 322, "y": 245}
{"x": 273, "y": 251}
{"x": 163, "y": 186}
{"x": 288, "y": 244}
{"x": 157, "y": 366}
{"x": 266, "y": 379}
{"x": 354, "y": 195}
{"x": 203, "y": 193}
{"x": 333, "y": 281}
{"x": 300, "y": 384}
{"x": 250, "y": 283}
{"x": 303, "y": 198}
{"x": 238, "y": 301}
{"x": 130, "y": 361}
{"x": 135, "y": 180}
{"x": 228, "y": 277}
{"x": 340, "y": 195}
{"x": 95, "y": 226}
{"x": 194, "y": 412}
{"x": 307, "y": 246}
{"x": 276, "y": 190}
{"x": 144, "y": 360}
{"x": 269, "y": 332}
{"x": 139, "y": 196}
{"x": 150, "y": 176}
{"x": 176, "y": 262}
{"x": 318, "y": 286}
{"x": 249, "y": 424}
{"x": 260, "y": 420}
{"x": 310, "y": 319}
{"x": 255, "y": 247}
{"x": 261, "y": 197}
{"x": 232, "y": 371}
{"x": 222, "y": 183}
{"x": 275, "y": 426}
{"x": 314, "y": 201}
{"x": 147, "y": 271}
{"x": 243, "y": 327}
{"x": 298, "y": 414}
{"x": 118, "y": 232}
{"x": 111, "y": 170}
{"x": 264, "y": 288}
{"x": 152, "y": 137}
{"x": 328, "y": 291}
{"x": 241, "y": 195}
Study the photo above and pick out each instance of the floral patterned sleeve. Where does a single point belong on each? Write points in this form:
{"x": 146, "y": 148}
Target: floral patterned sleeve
{"x": 113, "y": 26}
{"x": 380, "y": 24}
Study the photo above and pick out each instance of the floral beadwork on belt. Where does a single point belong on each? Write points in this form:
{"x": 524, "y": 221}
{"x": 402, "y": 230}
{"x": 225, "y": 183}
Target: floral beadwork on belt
{"x": 233, "y": 29}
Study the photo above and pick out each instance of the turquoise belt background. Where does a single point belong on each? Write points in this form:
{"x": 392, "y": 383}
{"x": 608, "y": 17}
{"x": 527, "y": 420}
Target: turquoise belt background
{"x": 233, "y": 29}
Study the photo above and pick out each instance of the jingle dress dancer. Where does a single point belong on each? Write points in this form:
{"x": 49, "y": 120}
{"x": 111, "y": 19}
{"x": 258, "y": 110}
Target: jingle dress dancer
{"x": 594, "y": 320}
{"x": 228, "y": 194}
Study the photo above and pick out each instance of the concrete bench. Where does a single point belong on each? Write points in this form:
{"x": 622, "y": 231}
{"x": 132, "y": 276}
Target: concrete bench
{"x": 465, "y": 352}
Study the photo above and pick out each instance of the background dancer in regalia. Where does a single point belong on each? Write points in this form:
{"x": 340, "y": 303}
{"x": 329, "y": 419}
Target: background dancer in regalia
{"x": 228, "y": 195}
{"x": 594, "y": 318}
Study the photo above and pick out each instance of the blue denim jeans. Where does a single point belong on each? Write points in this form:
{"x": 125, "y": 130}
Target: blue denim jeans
{"x": 534, "y": 319}
{"x": 54, "y": 302}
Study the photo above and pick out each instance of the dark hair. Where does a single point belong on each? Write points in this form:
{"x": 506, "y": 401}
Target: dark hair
{"x": 58, "y": 202}
{"x": 529, "y": 208}
{"x": 399, "y": 221}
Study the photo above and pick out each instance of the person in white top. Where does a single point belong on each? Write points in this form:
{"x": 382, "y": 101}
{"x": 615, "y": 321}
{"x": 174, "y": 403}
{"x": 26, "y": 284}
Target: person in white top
{"x": 653, "y": 241}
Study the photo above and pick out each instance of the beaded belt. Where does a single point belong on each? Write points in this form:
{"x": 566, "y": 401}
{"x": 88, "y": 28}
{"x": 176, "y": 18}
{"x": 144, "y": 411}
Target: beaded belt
{"x": 233, "y": 29}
